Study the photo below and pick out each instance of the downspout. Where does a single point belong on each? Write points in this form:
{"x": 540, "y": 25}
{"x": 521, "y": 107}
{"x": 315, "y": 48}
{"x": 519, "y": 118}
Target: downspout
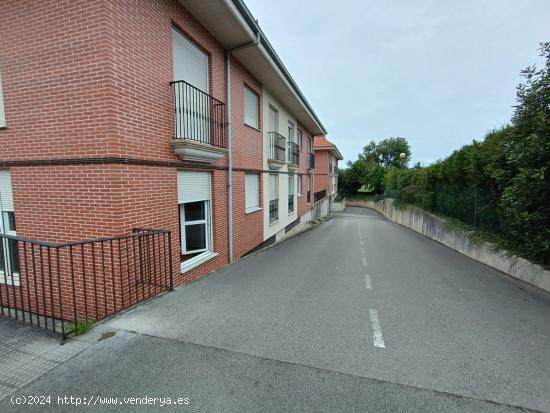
{"x": 228, "y": 53}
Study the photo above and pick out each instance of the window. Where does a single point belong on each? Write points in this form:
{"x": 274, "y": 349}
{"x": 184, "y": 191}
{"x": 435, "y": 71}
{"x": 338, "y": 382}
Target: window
{"x": 290, "y": 193}
{"x": 193, "y": 216}
{"x": 251, "y": 108}
{"x": 252, "y": 190}
{"x": 190, "y": 70}
{"x": 273, "y": 198}
{"x": 309, "y": 189}
{"x": 195, "y": 212}
{"x": 309, "y": 145}
{"x": 2, "y": 115}
{"x": 300, "y": 139}
{"x": 9, "y": 252}
{"x": 299, "y": 185}
{"x": 273, "y": 119}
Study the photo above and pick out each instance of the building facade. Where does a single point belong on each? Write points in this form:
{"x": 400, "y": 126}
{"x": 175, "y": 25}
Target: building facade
{"x": 119, "y": 114}
{"x": 327, "y": 156}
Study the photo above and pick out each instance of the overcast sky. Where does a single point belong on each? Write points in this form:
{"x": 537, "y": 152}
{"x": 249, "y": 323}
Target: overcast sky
{"x": 439, "y": 73}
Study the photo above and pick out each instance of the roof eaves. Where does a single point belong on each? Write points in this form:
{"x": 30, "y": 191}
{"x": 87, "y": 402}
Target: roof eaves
{"x": 249, "y": 18}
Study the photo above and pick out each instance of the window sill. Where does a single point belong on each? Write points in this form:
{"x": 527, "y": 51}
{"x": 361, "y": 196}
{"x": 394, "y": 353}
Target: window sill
{"x": 11, "y": 280}
{"x": 252, "y": 210}
{"x": 196, "y": 261}
{"x": 274, "y": 222}
{"x": 300, "y": 195}
{"x": 252, "y": 127}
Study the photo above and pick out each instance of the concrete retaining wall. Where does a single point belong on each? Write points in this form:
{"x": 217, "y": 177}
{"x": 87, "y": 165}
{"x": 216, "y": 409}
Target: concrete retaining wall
{"x": 437, "y": 229}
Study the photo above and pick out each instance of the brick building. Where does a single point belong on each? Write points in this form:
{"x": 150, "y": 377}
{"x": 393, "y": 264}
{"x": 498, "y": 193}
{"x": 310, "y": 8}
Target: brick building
{"x": 327, "y": 156}
{"x": 122, "y": 114}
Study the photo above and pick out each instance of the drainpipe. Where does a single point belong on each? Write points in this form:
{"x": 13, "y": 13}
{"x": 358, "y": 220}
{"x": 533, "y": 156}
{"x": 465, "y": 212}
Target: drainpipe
{"x": 228, "y": 53}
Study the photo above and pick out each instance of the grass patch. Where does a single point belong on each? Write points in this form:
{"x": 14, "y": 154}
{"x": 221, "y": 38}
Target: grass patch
{"x": 78, "y": 328}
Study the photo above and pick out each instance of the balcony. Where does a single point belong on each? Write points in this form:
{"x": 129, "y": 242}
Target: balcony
{"x": 200, "y": 126}
{"x": 293, "y": 155}
{"x": 310, "y": 161}
{"x": 276, "y": 155}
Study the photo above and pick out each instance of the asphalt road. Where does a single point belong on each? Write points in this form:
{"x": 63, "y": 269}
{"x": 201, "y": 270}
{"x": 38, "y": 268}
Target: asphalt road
{"x": 358, "y": 314}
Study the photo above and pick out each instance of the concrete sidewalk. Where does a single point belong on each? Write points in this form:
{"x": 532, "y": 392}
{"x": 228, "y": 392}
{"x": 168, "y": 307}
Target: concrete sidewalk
{"x": 27, "y": 353}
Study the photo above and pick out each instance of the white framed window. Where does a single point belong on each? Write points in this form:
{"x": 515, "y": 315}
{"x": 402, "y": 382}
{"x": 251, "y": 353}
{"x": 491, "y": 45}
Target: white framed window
{"x": 2, "y": 114}
{"x": 290, "y": 193}
{"x": 9, "y": 251}
{"x": 251, "y": 108}
{"x": 300, "y": 139}
{"x": 194, "y": 200}
{"x": 299, "y": 185}
{"x": 252, "y": 191}
{"x": 273, "y": 198}
{"x": 195, "y": 227}
{"x": 290, "y": 132}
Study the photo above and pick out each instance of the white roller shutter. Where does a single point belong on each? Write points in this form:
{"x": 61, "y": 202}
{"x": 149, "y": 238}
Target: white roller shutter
{"x": 190, "y": 63}
{"x": 6, "y": 194}
{"x": 193, "y": 186}
{"x": 2, "y": 116}
{"x": 252, "y": 189}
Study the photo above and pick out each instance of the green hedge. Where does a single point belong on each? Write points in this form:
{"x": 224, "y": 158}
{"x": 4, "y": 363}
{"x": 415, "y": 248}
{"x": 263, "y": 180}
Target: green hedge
{"x": 500, "y": 185}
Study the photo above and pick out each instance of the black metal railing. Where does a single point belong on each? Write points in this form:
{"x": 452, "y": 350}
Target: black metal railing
{"x": 198, "y": 116}
{"x": 276, "y": 147}
{"x": 293, "y": 153}
{"x": 291, "y": 203}
{"x": 56, "y": 285}
{"x": 273, "y": 210}
{"x": 310, "y": 161}
{"x": 319, "y": 195}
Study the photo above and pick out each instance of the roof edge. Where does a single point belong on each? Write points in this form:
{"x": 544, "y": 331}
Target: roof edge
{"x": 249, "y": 18}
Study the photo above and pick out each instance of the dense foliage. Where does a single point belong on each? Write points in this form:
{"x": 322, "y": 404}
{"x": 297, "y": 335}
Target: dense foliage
{"x": 499, "y": 186}
{"x": 369, "y": 170}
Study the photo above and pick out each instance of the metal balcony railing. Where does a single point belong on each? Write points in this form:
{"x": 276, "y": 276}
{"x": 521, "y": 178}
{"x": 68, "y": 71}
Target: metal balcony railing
{"x": 198, "y": 116}
{"x": 293, "y": 153}
{"x": 320, "y": 195}
{"x": 310, "y": 161}
{"x": 276, "y": 147}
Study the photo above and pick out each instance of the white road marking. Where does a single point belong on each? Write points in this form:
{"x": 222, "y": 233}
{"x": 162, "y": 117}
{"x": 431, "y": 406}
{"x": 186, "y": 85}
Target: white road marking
{"x": 367, "y": 282}
{"x": 364, "y": 261}
{"x": 377, "y": 337}
{"x": 362, "y": 250}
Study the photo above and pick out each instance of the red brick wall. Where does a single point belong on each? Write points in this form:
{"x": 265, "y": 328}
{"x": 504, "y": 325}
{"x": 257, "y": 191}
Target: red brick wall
{"x": 90, "y": 78}
{"x": 247, "y": 153}
{"x": 57, "y": 79}
{"x": 140, "y": 32}
{"x": 322, "y": 180}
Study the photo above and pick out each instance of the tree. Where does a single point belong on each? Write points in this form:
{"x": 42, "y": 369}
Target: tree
{"x": 388, "y": 152}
